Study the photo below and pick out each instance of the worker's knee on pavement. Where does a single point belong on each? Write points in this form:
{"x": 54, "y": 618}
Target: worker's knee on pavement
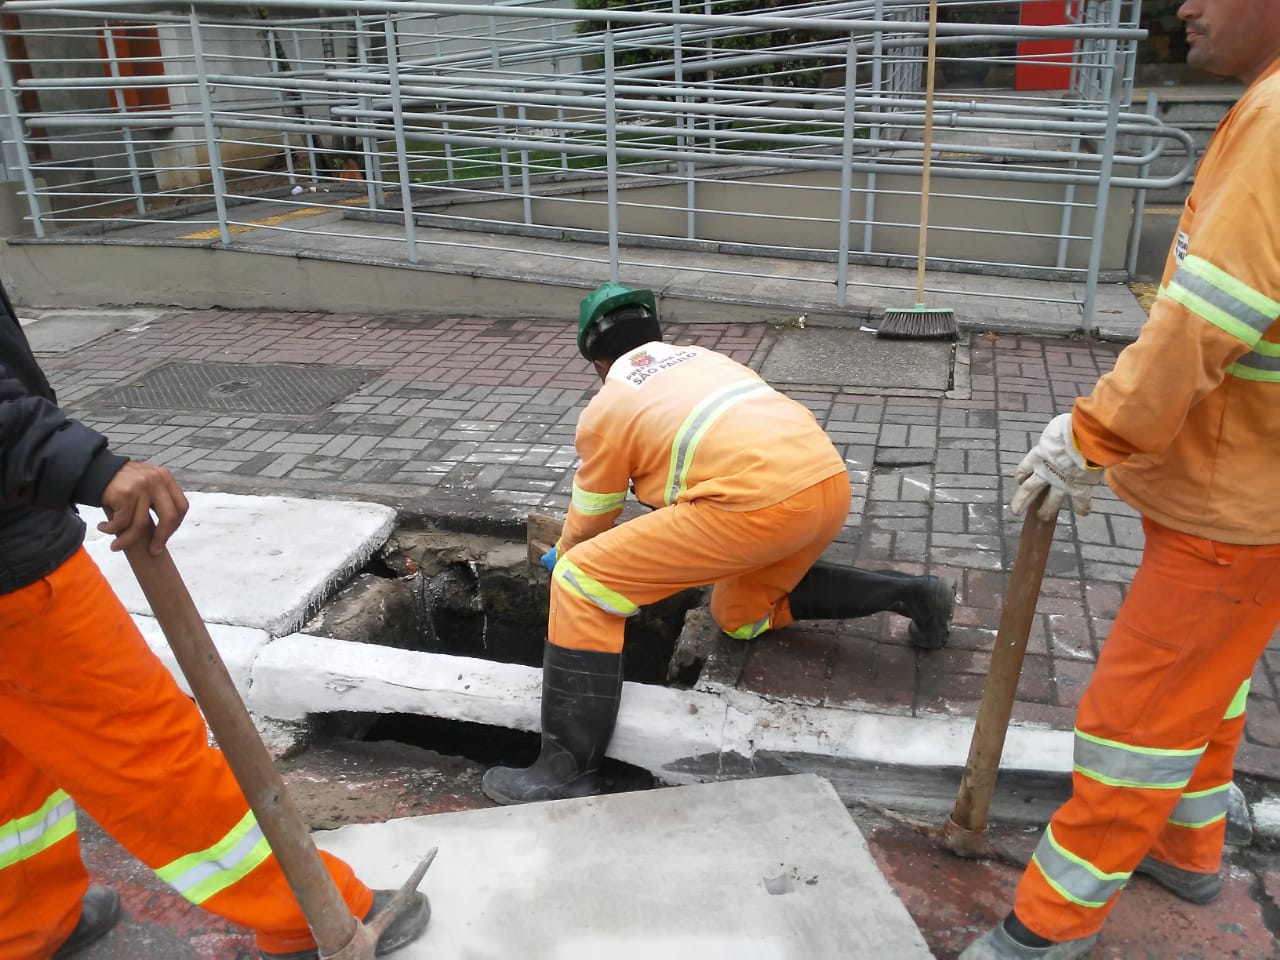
{"x": 744, "y": 617}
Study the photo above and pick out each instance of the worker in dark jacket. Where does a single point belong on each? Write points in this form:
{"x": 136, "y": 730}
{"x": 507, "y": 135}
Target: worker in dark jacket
{"x": 89, "y": 716}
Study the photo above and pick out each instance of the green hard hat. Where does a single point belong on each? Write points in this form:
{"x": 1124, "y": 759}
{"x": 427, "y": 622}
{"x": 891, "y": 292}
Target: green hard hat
{"x": 603, "y": 300}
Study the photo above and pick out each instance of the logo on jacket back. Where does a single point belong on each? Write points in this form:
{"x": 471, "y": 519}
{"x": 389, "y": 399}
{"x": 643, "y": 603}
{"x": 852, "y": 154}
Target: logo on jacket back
{"x": 647, "y": 361}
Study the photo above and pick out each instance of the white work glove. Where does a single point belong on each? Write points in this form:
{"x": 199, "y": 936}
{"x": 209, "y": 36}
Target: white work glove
{"x": 1056, "y": 463}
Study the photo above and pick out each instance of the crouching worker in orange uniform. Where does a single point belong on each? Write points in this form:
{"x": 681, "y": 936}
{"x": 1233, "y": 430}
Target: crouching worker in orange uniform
{"x": 751, "y": 493}
{"x": 1188, "y": 425}
{"x": 90, "y": 718}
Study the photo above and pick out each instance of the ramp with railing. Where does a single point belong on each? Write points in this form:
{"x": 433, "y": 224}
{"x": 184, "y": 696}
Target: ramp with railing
{"x": 791, "y": 132}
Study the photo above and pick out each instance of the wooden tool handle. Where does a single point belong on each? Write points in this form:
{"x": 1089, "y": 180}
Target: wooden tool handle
{"x": 973, "y": 802}
{"x": 541, "y": 533}
{"x": 326, "y": 912}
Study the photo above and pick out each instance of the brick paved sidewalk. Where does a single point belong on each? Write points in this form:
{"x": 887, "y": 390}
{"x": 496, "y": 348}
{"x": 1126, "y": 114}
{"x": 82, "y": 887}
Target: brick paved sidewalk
{"x": 474, "y": 418}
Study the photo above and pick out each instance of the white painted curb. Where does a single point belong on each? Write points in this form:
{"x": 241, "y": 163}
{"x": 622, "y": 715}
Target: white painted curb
{"x": 657, "y": 726}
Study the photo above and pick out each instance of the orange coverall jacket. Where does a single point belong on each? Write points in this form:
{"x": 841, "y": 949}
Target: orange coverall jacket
{"x": 685, "y": 423}
{"x": 1189, "y": 420}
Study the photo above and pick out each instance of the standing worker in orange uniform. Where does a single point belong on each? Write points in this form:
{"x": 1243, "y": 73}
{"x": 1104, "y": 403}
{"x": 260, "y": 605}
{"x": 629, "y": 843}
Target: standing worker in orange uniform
{"x": 1187, "y": 426}
{"x": 751, "y": 493}
{"x": 89, "y": 716}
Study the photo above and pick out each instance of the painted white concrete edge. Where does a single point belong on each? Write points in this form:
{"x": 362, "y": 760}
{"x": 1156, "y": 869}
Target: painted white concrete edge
{"x": 238, "y": 647}
{"x": 284, "y": 680}
{"x": 657, "y": 726}
{"x": 1266, "y": 818}
{"x": 260, "y": 562}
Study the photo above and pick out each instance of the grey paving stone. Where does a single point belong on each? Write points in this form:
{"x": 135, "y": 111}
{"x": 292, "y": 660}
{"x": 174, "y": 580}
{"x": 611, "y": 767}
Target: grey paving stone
{"x": 1113, "y": 555}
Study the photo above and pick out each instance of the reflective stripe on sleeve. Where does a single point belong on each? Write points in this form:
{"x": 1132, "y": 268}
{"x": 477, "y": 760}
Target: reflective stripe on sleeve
{"x": 24, "y": 837}
{"x": 1073, "y": 877}
{"x": 571, "y": 577}
{"x": 1262, "y": 363}
{"x": 1224, "y": 301}
{"x": 695, "y": 427}
{"x": 594, "y": 504}
{"x": 1122, "y": 765}
{"x": 1202, "y": 808}
{"x": 198, "y": 876}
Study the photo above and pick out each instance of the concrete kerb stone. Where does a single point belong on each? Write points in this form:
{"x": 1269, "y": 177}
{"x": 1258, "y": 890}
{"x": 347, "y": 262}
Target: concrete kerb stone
{"x": 711, "y": 732}
{"x": 1266, "y": 819}
{"x": 660, "y": 729}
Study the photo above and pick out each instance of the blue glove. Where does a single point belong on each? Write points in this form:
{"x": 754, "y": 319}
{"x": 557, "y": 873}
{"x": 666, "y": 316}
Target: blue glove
{"x": 549, "y": 560}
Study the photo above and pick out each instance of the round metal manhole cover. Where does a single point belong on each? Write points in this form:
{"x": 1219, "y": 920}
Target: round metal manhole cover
{"x": 280, "y": 388}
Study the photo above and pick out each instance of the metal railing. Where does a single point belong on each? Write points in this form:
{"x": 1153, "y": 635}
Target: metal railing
{"x": 794, "y": 133}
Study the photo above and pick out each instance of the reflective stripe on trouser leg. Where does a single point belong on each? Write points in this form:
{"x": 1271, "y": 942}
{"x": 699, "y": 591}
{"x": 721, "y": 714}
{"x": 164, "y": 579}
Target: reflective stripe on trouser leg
{"x": 1193, "y": 836}
{"x": 99, "y": 714}
{"x": 42, "y": 878}
{"x": 754, "y": 557}
{"x": 1195, "y": 620}
{"x": 21, "y": 838}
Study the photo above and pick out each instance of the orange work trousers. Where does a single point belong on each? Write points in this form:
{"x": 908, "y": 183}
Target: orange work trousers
{"x": 1170, "y": 682}
{"x": 754, "y": 558}
{"x": 90, "y": 717}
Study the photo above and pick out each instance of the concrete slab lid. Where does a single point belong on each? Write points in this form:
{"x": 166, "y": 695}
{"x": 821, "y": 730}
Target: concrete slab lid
{"x": 58, "y": 331}
{"x": 854, "y": 358}
{"x": 259, "y": 562}
{"x": 237, "y": 646}
{"x": 677, "y": 873}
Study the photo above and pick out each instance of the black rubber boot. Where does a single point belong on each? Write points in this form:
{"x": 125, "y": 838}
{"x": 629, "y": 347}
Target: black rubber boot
{"x": 580, "y": 694}
{"x": 841, "y": 593}
{"x": 99, "y": 911}
{"x": 403, "y": 930}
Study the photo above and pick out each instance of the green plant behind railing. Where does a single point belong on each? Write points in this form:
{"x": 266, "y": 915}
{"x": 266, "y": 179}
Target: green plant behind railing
{"x": 798, "y": 71}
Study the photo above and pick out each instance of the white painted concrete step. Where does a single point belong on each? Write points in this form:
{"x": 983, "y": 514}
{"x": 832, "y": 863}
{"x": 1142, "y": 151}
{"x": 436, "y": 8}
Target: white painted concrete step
{"x": 769, "y": 869}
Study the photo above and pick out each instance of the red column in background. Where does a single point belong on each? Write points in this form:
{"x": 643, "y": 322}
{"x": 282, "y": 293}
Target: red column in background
{"x": 138, "y": 54}
{"x": 1052, "y": 69}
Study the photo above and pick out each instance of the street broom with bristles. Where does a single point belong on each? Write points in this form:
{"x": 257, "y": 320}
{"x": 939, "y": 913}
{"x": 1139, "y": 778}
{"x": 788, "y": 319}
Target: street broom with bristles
{"x": 920, "y": 322}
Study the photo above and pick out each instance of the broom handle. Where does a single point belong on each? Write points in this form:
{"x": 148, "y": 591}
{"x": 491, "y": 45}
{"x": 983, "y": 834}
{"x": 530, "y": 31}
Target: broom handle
{"x": 928, "y": 148}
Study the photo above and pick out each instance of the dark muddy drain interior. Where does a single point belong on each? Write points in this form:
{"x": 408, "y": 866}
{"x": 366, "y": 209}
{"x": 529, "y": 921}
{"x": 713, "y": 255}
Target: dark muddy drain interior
{"x": 480, "y": 743}
{"x": 477, "y": 595}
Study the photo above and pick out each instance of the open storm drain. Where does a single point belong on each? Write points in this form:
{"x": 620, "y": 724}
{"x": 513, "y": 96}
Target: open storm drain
{"x": 473, "y": 595}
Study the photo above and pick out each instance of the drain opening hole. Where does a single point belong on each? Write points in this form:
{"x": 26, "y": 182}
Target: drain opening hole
{"x": 480, "y": 743}
{"x": 491, "y": 611}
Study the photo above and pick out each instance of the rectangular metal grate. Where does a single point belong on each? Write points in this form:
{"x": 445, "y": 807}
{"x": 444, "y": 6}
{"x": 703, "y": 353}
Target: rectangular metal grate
{"x": 281, "y": 388}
